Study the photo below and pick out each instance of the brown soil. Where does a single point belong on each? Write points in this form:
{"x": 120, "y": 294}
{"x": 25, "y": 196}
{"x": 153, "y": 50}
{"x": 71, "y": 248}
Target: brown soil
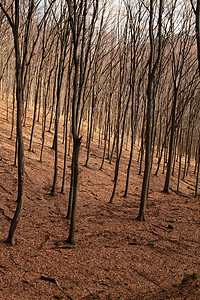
{"x": 116, "y": 256}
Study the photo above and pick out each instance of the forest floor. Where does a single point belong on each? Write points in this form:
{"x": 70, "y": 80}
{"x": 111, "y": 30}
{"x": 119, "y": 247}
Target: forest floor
{"x": 116, "y": 256}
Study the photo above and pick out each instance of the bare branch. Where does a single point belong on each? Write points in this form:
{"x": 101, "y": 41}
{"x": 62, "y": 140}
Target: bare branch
{"x": 7, "y": 15}
{"x": 6, "y": 63}
{"x": 193, "y": 7}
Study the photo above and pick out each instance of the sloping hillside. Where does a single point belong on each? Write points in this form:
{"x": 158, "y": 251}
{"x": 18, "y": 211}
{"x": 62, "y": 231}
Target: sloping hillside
{"x": 116, "y": 256}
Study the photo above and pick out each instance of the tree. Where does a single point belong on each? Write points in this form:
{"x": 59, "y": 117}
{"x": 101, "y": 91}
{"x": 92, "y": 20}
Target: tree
{"x": 63, "y": 38}
{"x": 19, "y": 68}
{"x": 182, "y": 65}
{"x": 137, "y": 46}
{"x": 122, "y": 107}
{"x": 78, "y": 23}
{"x": 198, "y": 168}
{"x": 153, "y": 65}
{"x": 197, "y": 16}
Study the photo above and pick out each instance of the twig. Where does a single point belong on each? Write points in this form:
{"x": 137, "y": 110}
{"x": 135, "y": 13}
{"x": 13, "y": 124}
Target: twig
{"x": 45, "y": 241}
{"x": 3, "y": 213}
{"x": 51, "y": 280}
{"x": 179, "y": 193}
{"x": 6, "y": 190}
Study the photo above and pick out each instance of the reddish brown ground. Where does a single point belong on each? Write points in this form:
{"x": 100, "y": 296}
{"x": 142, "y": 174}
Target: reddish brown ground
{"x": 116, "y": 256}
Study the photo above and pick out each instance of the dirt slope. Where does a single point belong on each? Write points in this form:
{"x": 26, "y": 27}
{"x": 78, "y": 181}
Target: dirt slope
{"x": 116, "y": 257}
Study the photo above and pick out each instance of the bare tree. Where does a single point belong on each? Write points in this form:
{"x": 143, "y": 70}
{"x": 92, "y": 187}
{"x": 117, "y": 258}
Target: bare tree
{"x": 182, "y": 64}
{"x": 78, "y": 22}
{"x": 63, "y": 38}
{"x": 198, "y": 168}
{"x": 19, "y": 67}
{"x": 153, "y": 65}
{"x": 197, "y": 16}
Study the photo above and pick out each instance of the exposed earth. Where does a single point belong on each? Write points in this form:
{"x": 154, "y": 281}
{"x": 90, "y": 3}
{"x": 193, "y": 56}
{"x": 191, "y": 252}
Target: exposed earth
{"x": 115, "y": 256}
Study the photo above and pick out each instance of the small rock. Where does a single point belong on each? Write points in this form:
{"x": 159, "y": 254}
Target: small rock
{"x": 150, "y": 244}
{"x": 170, "y": 226}
{"x": 132, "y": 243}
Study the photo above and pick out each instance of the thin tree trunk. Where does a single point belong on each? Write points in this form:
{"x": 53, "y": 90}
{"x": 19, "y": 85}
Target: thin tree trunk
{"x": 76, "y": 148}
{"x": 196, "y": 159}
{"x": 40, "y": 99}
{"x": 198, "y": 169}
{"x": 13, "y": 112}
{"x": 171, "y": 145}
{"x": 149, "y": 125}
{"x": 66, "y": 134}
{"x": 186, "y": 148}
{"x": 113, "y": 148}
{"x": 105, "y": 142}
{"x": 91, "y": 125}
{"x": 189, "y": 152}
{"x": 35, "y": 107}
{"x": 132, "y": 147}
{"x": 180, "y": 157}
{"x": 18, "y": 212}
{"x": 54, "y": 96}
{"x": 119, "y": 151}
{"x": 7, "y": 107}
{"x": 142, "y": 144}
{"x": 55, "y": 143}
{"x": 161, "y": 153}
{"x": 175, "y": 155}
{"x": 69, "y": 209}
{"x": 27, "y": 97}
{"x": 16, "y": 152}
{"x": 109, "y": 138}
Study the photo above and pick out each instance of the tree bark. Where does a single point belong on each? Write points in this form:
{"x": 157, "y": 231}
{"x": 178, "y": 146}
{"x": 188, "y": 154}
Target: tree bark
{"x": 18, "y": 212}
{"x": 149, "y": 125}
{"x": 76, "y": 148}
{"x": 171, "y": 145}
{"x": 198, "y": 169}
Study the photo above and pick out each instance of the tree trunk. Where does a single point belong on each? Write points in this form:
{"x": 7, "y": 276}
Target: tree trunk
{"x": 56, "y": 145}
{"x": 150, "y": 93}
{"x": 76, "y": 148}
{"x": 175, "y": 153}
{"x": 171, "y": 145}
{"x": 196, "y": 159}
{"x": 132, "y": 145}
{"x": 35, "y": 107}
{"x": 105, "y": 141}
{"x": 197, "y": 12}
{"x": 58, "y": 94}
{"x": 18, "y": 212}
{"x": 142, "y": 211}
{"x": 44, "y": 118}
{"x": 180, "y": 157}
{"x": 13, "y": 112}
{"x": 142, "y": 144}
{"x": 198, "y": 169}
{"x": 186, "y": 148}
{"x": 189, "y": 152}
{"x": 54, "y": 96}
{"x": 66, "y": 135}
{"x": 69, "y": 209}
{"x": 90, "y": 127}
